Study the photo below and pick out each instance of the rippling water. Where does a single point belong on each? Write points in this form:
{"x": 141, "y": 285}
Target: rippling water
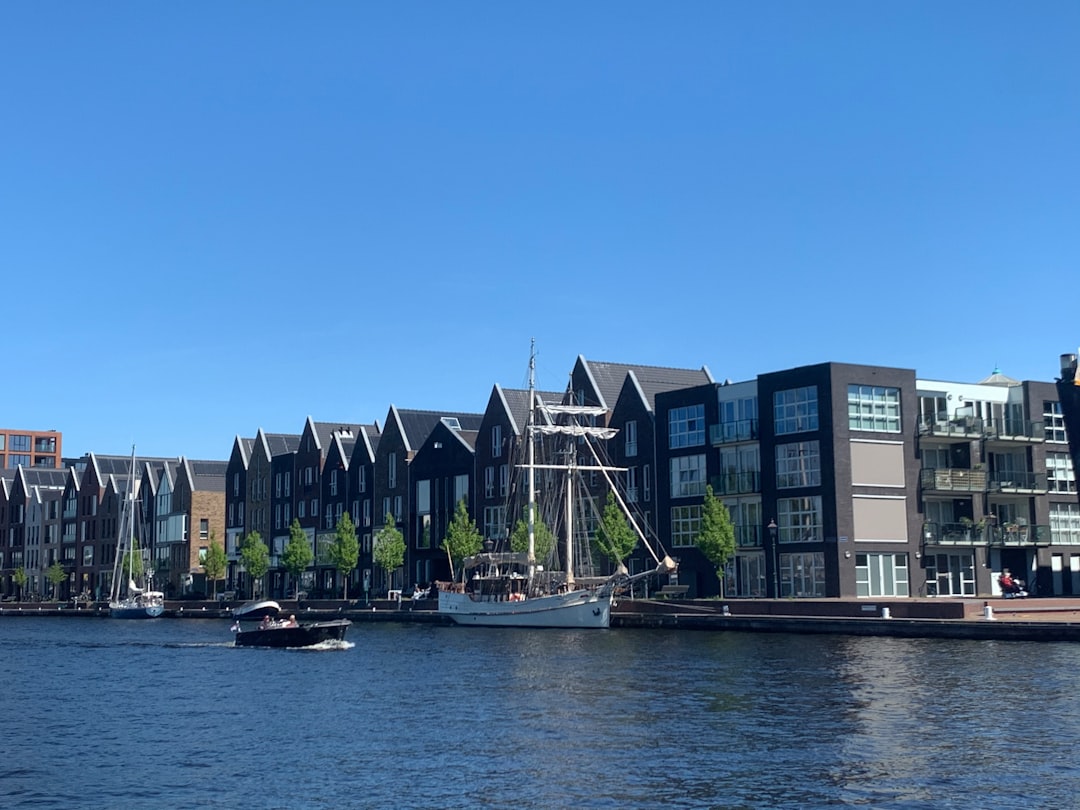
{"x": 169, "y": 714}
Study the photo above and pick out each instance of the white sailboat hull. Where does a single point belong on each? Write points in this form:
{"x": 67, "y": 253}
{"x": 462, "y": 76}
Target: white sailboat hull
{"x": 144, "y": 606}
{"x": 585, "y": 609}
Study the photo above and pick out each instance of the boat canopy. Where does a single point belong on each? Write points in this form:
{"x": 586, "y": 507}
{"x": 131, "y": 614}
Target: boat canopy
{"x": 496, "y": 558}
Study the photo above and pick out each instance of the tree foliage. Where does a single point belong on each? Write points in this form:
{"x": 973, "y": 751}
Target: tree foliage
{"x": 462, "y": 537}
{"x": 297, "y": 554}
{"x": 388, "y": 547}
{"x": 543, "y": 539}
{"x": 215, "y": 562}
{"x": 132, "y": 564}
{"x": 716, "y": 539}
{"x": 19, "y": 578}
{"x": 55, "y": 574}
{"x": 343, "y": 552}
{"x": 255, "y": 555}
{"x": 614, "y": 536}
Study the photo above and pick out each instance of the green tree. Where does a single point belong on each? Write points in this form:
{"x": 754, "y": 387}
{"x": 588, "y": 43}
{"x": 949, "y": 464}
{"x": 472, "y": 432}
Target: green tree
{"x": 255, "y": 556}
{"x": 19, "y": 578}
{"x": 132, "y": 566}
{"x": 543, "y": 539}
{"x": 55, "y": 574}
{"x": 716, "y": 538}
{"x": 388, "y": 547}
{"x": 615, "y": 537}
{"x": 462, "y": 536}
{"x": 297, "y": 554}
{"x": 343, "y": 552}
{"x": 214, "y": 563}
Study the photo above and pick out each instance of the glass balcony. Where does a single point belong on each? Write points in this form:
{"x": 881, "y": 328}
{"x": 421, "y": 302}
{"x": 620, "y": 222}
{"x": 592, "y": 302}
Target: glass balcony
{"x": 967, "y": 427}
{"x": 1011, "y": 481}
{"x": 740, "y": 483}
{"x": 1014, "y": 430}
{"x": 744, "y": 430}
{"x": 748, "y": 536}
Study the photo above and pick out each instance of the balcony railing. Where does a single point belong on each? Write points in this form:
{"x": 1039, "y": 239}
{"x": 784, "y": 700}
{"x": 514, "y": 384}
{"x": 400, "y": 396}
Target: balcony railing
{"x": 736, "y": 483}
{"x": 968, "y": 427}
{"x": 1015, "y": 430}
{"x": 45, "y": 446}
{"x": 952, "y": 480}
{"x": 1018, "y": 482}
{"x": 748, "y": 536}
{"x": 743, "y": 430}
{"x": 986, "y": 533}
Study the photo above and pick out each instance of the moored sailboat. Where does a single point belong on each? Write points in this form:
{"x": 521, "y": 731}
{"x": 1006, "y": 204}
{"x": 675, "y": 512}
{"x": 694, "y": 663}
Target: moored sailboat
{"x": 126, "y": 599}
{"x": 512, "y": 589}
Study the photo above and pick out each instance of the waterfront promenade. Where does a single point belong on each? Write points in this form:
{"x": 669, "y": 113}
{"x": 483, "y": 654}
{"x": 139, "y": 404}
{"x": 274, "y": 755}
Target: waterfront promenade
{"x": 1003, "y": 619}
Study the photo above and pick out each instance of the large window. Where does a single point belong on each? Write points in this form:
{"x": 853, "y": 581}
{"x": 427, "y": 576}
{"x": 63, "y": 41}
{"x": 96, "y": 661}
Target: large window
{"x": 685, "y": 525}
{"x": 687, "y": 476}
{"x": 802, "y": 574}
{"x": 686, "y": 427}
{"x": 798, "y": 520}
{"x": 795, "y": 410}
{"x": 874, "y": 408}
{"x": 423, "y": 497}
{"x": 1065, "y": 524}
{"x": 1060, "y": 476}
{"x": 1054, "y": 421}
{"x": 630, "y": 433}
{"x": 798, "y": 465}
{"x": 494, "y": 522}
{"x": 881, "y": 575}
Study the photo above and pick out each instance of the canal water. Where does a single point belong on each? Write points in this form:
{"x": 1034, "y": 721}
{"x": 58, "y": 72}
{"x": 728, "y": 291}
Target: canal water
{"x": 99, "y": 713}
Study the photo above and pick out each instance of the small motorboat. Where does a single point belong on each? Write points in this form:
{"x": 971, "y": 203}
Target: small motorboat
{"x": 290, "y": 633}
{"x": 257, "y": 611}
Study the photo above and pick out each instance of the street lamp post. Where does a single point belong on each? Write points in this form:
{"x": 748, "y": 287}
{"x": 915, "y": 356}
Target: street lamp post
{"x": 775, "y": 558}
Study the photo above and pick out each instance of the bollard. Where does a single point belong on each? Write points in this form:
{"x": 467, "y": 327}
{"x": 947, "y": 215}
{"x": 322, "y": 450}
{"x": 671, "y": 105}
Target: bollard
{"x": 988, "y": 613}
{"x": 727, "y": 610}
{"x": 886, "y": 613}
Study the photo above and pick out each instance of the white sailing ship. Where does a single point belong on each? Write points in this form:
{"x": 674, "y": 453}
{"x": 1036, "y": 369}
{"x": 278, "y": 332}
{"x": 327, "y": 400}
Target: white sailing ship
{"x": 126, "y": 599}
{"x": 508, "y": 589}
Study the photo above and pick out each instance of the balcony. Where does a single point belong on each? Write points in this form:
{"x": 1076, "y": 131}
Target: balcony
{"x": 736, "y": 483}
{"x": 1014, "y": 430}
{"x": 748, "y": 536}
{"x": 967, "y": 427}
{"x": 1017, "y": 535}
{"x": 45, "y": 445}
{"x": 952, "y": 480}
{"x": 744, "y": 430}
{"x": 956, "y": 534}
{"x": 1010, "y": 482}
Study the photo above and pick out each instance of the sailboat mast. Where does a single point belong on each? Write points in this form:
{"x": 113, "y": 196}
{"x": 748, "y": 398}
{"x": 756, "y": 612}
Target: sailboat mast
{"x": 530, "y": 436}
{"x": 572, "y": 474}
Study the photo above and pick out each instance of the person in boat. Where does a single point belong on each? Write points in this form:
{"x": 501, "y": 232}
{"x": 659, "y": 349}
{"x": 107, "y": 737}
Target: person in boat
{"x": 292, "y": 621}
{"x": 265, "y": 622}
{"x": 418, "y": 593}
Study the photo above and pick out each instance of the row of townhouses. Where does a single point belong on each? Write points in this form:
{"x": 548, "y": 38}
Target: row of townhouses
{"x": 841, "y": 481}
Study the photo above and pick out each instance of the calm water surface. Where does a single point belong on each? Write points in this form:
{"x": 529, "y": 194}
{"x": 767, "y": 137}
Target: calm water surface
{"x": 166, "y": 713}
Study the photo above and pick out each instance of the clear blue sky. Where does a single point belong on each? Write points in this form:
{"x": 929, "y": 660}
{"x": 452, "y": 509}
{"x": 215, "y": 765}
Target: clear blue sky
{"x": 220, "y": 216}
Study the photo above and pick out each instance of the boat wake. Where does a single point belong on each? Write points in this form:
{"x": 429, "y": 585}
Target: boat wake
{"x": 322, "y": 646}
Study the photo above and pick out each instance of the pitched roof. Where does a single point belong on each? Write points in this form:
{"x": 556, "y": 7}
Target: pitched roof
{"x": 516, "y": 403}
{"x": 608, "y": 379}
{"x": 999, "y": 379}
{"x": 416, "y": 426}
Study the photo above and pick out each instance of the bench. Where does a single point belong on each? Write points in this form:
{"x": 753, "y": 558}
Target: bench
{"x": 671, "y": 592}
